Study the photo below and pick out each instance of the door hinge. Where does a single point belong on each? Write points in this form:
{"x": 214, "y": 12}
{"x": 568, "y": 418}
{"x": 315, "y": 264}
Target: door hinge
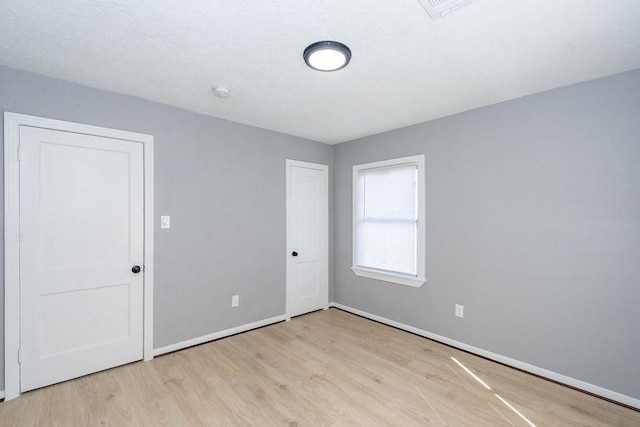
{"x": 19, "y": 355}
{"x": 18, "y": 153}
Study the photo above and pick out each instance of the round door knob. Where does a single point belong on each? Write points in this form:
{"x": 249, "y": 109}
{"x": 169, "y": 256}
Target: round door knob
{"x": 136, "y": 269}
{"x": 294, "y": 253}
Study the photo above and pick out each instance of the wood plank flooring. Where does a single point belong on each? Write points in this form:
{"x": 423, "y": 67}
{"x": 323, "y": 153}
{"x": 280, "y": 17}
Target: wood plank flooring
{"x": 324, "y": 368}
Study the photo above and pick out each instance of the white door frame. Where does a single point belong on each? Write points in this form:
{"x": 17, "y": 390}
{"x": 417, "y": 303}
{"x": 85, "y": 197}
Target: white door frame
{"x": 12, "y": 123}
{"x": 324, "y": 234}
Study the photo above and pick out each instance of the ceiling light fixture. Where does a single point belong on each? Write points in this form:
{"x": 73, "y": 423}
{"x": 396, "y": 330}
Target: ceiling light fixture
{"x": 327, "y": 56}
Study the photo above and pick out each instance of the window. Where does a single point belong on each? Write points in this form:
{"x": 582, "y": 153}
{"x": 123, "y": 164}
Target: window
{"x": 388, "y": 220}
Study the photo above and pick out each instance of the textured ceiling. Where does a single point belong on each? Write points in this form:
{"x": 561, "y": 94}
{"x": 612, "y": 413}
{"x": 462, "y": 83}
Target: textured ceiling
{"x": 406, "y": 67}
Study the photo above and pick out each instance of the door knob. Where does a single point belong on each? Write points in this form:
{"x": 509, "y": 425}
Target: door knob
{"x": 294, "y": 253}
{"x": 135, "y": 269}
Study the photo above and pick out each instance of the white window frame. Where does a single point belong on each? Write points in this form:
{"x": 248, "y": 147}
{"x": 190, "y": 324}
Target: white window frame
{"x": 402, "y": 279}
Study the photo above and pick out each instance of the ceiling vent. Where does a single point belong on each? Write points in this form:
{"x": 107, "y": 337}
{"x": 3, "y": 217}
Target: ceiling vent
{"x": 439, "y": 8}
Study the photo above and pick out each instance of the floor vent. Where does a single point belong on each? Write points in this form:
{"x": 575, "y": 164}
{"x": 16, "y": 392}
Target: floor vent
{"x": 439, "y": 8}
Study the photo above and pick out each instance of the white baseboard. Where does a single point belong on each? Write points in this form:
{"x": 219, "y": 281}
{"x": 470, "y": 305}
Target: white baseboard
{"x": 217, "y": 335}
{"x": 572, "y": 382}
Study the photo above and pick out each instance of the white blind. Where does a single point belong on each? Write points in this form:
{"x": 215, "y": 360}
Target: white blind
{"x": 387, "y": 219}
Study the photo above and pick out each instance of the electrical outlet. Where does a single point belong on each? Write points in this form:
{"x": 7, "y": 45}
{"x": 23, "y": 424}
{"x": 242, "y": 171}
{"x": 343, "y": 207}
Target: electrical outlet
{"x": 459, "y": 310}
{"x": 165, "y": 222}
{"x": 235, "y": 300}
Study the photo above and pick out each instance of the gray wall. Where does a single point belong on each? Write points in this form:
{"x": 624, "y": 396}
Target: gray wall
{"x": 533, "y": 223}
{"x": 222, "y": 183}
{"x": 533, "y": 220}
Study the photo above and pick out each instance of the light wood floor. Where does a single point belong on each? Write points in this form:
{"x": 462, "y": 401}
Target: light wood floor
{"x": 328, "y": 367}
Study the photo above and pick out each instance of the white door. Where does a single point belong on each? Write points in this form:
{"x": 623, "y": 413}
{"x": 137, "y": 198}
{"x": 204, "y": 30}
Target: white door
{"x": 307, "y": 237}
{"x": 81, "y": 235}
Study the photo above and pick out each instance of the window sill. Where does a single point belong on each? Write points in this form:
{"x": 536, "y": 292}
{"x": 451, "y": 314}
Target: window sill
{"x": 414, "y": 282}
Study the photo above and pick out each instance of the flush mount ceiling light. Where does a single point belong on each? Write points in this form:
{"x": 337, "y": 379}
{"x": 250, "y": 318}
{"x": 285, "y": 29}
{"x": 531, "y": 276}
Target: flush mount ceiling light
{"x": 327, "y": 56}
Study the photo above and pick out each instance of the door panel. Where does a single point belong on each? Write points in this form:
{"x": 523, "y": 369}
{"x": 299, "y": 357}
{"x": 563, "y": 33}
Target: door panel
{"x": 307, "y": 227}
{"x": 81, "y": 228}
{"x": 60, "y": 310}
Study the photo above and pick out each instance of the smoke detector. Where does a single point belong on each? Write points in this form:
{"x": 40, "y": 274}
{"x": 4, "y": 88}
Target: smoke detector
{"x": 221, "y": 92}
{"x": 439, "y": 8}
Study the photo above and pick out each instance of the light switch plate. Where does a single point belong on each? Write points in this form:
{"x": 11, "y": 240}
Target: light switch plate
{"x": 165, "y": 222}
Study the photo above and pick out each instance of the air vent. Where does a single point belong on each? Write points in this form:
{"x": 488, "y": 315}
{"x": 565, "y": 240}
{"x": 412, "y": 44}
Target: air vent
{"x": 439, "y": 8}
